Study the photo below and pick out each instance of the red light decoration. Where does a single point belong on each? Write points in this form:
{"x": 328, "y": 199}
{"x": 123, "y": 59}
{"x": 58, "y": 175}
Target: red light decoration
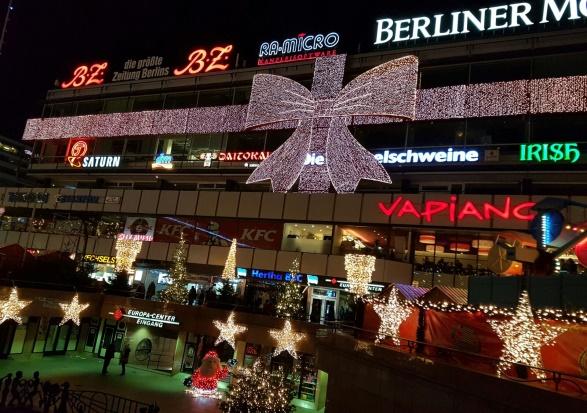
{"x": 200, "y": 60}
{"x": 76, "y": 150}
{"x": 87, "y": 75}
{"x": 243, "y": 156}
{"x": 118, "y": 314}
{"x": 205, "y": 378}
{"x": 427, "y": 239}
{"x": 468, "y": 210}
{"x": 581, "y": 252}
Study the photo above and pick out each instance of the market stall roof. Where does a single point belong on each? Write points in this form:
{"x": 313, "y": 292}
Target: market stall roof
{"x": 441, "y": 293}
{"x": 409, "y": 292}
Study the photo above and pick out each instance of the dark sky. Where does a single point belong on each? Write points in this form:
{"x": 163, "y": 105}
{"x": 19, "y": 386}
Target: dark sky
{"x": 47, "y": 39}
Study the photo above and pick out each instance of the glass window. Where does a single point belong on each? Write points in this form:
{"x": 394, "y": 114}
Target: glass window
{"x": 434, "y": 133}
{"x": 487, "y": 131}
{"x": 215, "y": 97}
{"x": 500, "y": 71}
{"x": 245, "y": 142}
{"x": 444, "y": 76}
{"x": 201, "y": 144}
{"x": 381, "y": 136}
{"x": 63, "y": 109}
{"x": 152, "y": 102}
{"x": 556, "y": 128}
{"x": 560, "y": 65}
{"x": 313, "y": 238}
{"x": 116, "y": 105}
{"x": 275, "y": 138}
{"x": 242, "y": 95}
{"x": 181, "y": 100}
{"x": 90, "y": 107}
{"x": 109, "y": 146}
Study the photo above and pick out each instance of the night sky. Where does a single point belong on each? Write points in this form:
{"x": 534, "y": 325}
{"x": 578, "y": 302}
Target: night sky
{"x": 47, "y": 39}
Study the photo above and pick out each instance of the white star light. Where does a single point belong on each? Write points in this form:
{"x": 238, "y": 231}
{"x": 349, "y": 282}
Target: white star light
{"x": 286, "y": 340}
{"x": 392, "y": 314}
{"x": 10, "y": 309}
{"x": 228, "y": 330}
{"x": 72, "y": 310}
{"x": 522, "y": 338}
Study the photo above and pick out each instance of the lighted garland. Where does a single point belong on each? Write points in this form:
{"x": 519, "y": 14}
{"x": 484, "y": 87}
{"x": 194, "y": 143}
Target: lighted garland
{"x": 523, "y": 338}
{"x": 10, "y": 309}
{"x": 177, "y": 292}
{"x": 72, "y": 310}
{"x": 228, "y": 331}
{"x": 229, "y": 271}
{"x": 126, "y": 253}
{"x": 392, "y": 314}
{"x": 289, "y": 299}
{"x": 359, "y": 269}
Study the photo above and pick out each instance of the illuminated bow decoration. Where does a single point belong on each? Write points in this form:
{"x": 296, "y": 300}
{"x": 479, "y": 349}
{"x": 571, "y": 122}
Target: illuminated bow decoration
{"x": 386, "y": 93}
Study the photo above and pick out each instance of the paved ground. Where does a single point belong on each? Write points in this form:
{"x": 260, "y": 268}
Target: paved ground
{"x": 83, "y": 373}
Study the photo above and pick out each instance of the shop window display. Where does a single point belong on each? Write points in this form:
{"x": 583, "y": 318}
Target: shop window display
{"x": 301, "y": 372}
{"x": 312, "y": 238}
{"x": 382, "y": 242}
{"x": 448, "y": 258}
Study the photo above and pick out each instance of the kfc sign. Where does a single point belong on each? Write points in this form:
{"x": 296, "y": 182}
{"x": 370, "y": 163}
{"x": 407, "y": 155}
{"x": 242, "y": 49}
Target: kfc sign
{"x": 219, "y": 232}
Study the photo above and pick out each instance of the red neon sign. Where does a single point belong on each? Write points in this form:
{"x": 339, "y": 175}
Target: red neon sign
{"x": 76, "y": 150}
{"x": 87, "y": 75}
{"x": 401, "y": 207}
{"x": 199, "y": 60}
{"x": 243, "y": 156}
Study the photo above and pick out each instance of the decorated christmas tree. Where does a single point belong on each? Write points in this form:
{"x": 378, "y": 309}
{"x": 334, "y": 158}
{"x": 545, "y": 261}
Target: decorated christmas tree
{"x": 289, "y": 299}
{"x": 256, "y": 389}
{"x": 229, "y": 271}
{"x": 177, "y": 292}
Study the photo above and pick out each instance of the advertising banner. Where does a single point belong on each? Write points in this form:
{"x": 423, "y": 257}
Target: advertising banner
{"x": 139, "y": 228}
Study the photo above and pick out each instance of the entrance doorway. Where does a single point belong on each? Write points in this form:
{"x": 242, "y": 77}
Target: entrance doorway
{"x": 7, "y": 330}
{"x": 323, "y": 305}
{"x": 57, "y": 339}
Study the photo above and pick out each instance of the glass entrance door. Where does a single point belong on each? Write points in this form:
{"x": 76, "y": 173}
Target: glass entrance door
{"x": 7, "y": 330}
{"x": 57, "y": 338}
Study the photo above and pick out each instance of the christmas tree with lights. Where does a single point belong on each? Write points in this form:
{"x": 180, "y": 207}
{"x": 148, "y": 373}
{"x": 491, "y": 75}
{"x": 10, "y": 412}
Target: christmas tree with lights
{"x": 177, "y": 292}
{"x": 229, "y": 271}
{"x": 289, "y": 299}
{"x": 256, "y": 389}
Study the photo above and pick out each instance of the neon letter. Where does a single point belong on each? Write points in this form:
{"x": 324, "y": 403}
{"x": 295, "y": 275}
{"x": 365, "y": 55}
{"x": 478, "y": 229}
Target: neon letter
{"x": 408, "y": 208}
{"x": 524, "y": 217}
{"x": 433, "y": 208}
{"x": 470, "y": 209}
{"x": 488, "y": 209}
{"x": 393, "y": 206}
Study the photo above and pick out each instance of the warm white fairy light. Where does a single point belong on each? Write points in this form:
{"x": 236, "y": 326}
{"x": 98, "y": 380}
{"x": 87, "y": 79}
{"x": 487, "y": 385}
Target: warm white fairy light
{"x": 519, "y": 97}
{"x": 392, "y": 314}
{"x": 522, "y": 338}
{"x": 359, "y": 269}
{"x": 228, "y": 331}
{"x": 229, "y": 271}
{"x": 126, "y": 253}
{"x": 10, "y": 309}
{"x": 286, "y": 340}
{"x": 72, "y": 310}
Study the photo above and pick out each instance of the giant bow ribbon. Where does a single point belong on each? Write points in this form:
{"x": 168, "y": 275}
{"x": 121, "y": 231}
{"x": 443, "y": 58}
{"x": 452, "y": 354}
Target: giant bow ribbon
{"x": 322, "y": 149}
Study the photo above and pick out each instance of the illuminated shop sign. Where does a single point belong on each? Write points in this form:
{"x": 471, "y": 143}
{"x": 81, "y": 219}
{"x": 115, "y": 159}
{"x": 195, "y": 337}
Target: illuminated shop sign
{"x": 268, "y": 275}
{"x": 78, "y": 199}
{"x": 441, "y": 156}
{"x": 243, "y": 156}
{"x": 146, "y": 318}
{"x": 163, "y": 161}
{"x": 303, "y": 47}
{"x": 77, "y": 150}
{"x": 203, "y": 61}
{"x": 332, "y": 282}
{"x": 99, "y": 259}
{"x": 147, "y": 68}
{"x": 87, "y": 75}
{"x": 550, "y": 152}
{"x": 32, "y": 197}
{"x": 138, "y": 229}
{"x": 481, "y": 212}
{"x": 461, "y": 22}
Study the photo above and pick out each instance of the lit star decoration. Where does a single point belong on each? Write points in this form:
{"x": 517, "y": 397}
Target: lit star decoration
{"x": 228, "y": 331}
{"x": 126, "y": 253}
{"x": 522, "y": 338}
{"x": 286, "y": 340}
{"x": 10, "y": 309}
{"x": 229, "y": 271}
{"x": 72, "y": 310}
{"x": 392, "y": 314}
{"x": 359, "y": 269}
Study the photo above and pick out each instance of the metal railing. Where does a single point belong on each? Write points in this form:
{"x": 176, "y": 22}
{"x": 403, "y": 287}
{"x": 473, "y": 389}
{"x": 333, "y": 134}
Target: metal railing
{"x": 460, "y": 357}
